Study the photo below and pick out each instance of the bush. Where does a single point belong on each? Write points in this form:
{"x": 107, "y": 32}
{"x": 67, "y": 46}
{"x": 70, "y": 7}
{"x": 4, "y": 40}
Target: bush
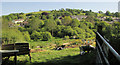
{"x": 46, "y": 36}
{"x": 66, "y": 37}
{"x": 36, "y": 36}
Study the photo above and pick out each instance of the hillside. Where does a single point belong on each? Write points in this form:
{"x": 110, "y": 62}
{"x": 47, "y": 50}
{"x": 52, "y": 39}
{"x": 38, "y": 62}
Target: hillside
{"x": 48, "y": 30}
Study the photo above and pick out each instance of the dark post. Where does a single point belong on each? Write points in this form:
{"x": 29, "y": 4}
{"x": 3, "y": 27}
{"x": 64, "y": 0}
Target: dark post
{"x": 15, "y": 59}
{"x": 29, "y": 56}
{"x": 99, "y": 30}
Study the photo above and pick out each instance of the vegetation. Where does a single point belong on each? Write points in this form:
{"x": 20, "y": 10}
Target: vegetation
{"x": 50, "y": 29}
{"x": 45, "y": 25}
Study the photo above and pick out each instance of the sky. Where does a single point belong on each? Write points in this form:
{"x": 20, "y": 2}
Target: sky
{"x": 60, "y": 0}
{"x": 26, "y": 6}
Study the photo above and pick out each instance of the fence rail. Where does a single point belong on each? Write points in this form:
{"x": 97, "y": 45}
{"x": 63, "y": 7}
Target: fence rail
{"x": 104, "y": 49}
{"x": 110, "y": 47}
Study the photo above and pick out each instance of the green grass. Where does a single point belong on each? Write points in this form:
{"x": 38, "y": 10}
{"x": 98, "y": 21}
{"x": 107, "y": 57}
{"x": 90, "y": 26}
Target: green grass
{"x": 45, "y": 44}
{"x": 62, "y": 57}
{"x": 69, "y": 55}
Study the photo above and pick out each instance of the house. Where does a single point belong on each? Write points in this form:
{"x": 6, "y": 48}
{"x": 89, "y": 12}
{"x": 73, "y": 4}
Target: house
{"x": 79, "y": 17}
{"x": 116, "y": 19}
{"x": 17, "y": 21}
{"x": 10, "y": 24}
{"x": 101, "y": 18}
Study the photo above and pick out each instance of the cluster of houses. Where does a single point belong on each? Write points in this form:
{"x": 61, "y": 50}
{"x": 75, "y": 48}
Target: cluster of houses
{"x": 22, "y": 22}
{"x": 115, "y": 19}
{"x": 79, "y": 17}
{"x": 17, "y": 23}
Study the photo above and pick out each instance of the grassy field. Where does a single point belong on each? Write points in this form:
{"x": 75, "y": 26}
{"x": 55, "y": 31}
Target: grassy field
{"x": 49, "y": 56}
{"x": 69, "y": 56}
{"x": 45, "y": 44}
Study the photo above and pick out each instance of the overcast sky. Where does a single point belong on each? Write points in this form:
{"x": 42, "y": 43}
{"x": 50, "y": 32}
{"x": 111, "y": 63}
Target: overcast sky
{"x": 60, "y": 0}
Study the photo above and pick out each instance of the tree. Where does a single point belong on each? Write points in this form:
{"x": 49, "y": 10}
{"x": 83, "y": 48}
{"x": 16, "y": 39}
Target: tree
{"x": 58, "y": 21}
{"x": 80, "y": 32}
{"x": 41, "y": 23}
{"x": 75, "y": 23}
{"x": 36, "y": 36}
{"x": 89, "y": 24}
{"x": 45, "y": 13}
{"x": 36, "y": 23}
{"x": 108, "y": 13}
{"x": 46, "y": 36}
{"x": 100, "y": 12}
{"x": 21, "y": 29}
{"x": 59, "y": 31}
{"x": 102, "y": 23}
{"x": 10, "y": 36}
{"x": 66, "y": 37}
{"x": 68, "y": 13}
{"x": 50, "y": 16}
{"x": 90, "y": 19}
{"x": 50, "y": 25}
{"x": 68, "y": 31}
{"x": 67, "y": 20}
{"x": 88, "y": 35}
{"x": 62, "y": 10}
{"x": 43, "y": 17}
{"x": 117, "y": 14}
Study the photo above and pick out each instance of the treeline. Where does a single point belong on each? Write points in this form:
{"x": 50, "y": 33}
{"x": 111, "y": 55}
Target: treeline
{"x": 58, "y": 28}
{"x": 44, "y": 25}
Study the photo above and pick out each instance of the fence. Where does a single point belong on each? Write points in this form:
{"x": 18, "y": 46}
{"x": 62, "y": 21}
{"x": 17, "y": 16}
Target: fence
{"x": 106, "y": 55}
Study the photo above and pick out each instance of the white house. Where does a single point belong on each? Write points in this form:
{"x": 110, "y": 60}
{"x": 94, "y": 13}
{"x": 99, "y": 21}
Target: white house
{"x": 79, "y": 17}
{"x": 17, "y": 20}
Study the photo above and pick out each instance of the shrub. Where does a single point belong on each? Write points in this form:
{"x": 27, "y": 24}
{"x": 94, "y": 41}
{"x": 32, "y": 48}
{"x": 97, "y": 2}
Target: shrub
{"x": 46, "y": 36}
{"x": 66, "y": 37}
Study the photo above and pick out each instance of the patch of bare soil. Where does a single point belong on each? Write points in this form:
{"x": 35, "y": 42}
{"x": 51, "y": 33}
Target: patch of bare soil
{"x": 36, "y": 50}
{"x": 73, "y": 46}
{"x": 66, "y": 43}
